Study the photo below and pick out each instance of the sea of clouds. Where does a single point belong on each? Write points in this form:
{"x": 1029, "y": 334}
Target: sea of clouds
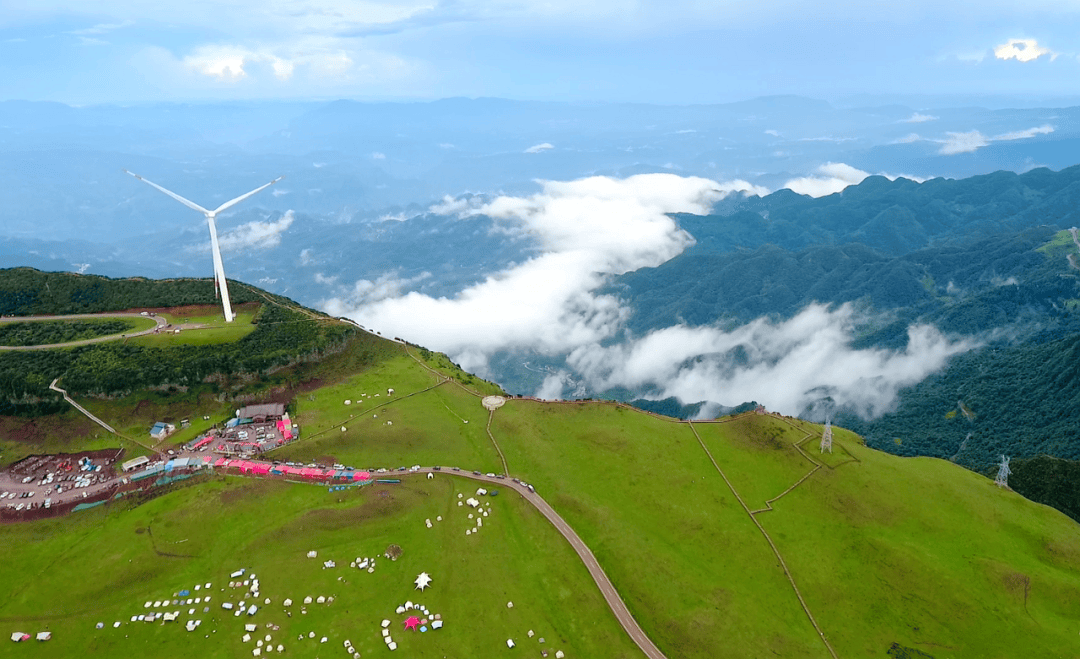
{"x": 589, "y": 230}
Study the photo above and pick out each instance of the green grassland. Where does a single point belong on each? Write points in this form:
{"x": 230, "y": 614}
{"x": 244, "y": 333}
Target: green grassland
{"x": 430, "y": 421}
{"x": 1060, "y": 245}
{"x": 216, "y": 330}
{"x": 883, "y": 549}
{"x": 878, "y": 549}
{"x": 101, "y": 565}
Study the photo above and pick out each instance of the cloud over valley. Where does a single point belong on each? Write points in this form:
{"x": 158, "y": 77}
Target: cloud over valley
{"x": 552, "y": 304}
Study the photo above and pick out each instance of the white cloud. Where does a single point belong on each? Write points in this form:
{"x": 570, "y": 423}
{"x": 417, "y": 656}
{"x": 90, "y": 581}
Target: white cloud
{"x": 787, "y": 366}
{"x": 255, "y": 235}
{"x": 552, "y": 386}
{"x": 378, "y": 156}
{"x": 1022, "y": 50}
{"x": 774, "y": 133}
{"x": 910, "y": 138}
{"x": 973, "y": 140}
{"x": 460, "y": 206}
{"x": 278, "y": 192}
{"x": 962, "y": 143}
{"x": 305, "y": 256}
{"x": 395, "y": 217}
{"x": 1028, "y": 133}
{"x": 222, "y": 62}
{"x": 366, "y": 292}
{"x": 537, "y": 148}
{"x": 831, "y": 178}
{"x": 586, "y": 229}
{"x": 228, "y": 63}
{"x": 918, "y": 118}
{"x": 102, "y": 28}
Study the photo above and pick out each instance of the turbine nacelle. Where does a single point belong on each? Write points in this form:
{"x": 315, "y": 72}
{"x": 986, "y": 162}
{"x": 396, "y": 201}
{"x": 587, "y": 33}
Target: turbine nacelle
{"x": 219, "y": 271}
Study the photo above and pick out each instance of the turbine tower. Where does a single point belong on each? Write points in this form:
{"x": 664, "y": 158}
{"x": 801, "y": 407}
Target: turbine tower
{"x": 219, "y": 271}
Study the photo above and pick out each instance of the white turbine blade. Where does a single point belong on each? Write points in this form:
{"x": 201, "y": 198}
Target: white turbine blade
{"x": 219, "y": 270}
{"x": 189, "y": 204}
{"x": 230, "y": 204}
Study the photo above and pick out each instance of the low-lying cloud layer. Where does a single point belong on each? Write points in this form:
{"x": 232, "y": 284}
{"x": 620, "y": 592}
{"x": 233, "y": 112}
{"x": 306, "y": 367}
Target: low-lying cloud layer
{"x": 806, "y": 361}
{"x": 255, "y": 235}
{"x": 832, "y": 177}
{"x": 586, "y": 230}
{"x": 973, "y": 140}
{"x": 590, "y": 229}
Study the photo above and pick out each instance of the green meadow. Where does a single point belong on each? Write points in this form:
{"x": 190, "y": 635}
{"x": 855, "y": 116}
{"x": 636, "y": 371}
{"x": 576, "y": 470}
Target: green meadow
{"x": 880, "y": 551}
{"x": 215, "y": 329}
{"x": 102, "y": 565}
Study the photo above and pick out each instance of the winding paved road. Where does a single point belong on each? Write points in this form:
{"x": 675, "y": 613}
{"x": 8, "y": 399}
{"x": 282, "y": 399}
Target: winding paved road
{"x": 607, "y": 589}
{"x": 160, "y": 323}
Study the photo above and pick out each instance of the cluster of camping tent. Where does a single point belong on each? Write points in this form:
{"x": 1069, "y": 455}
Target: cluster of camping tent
{"x": 19, "y": 637}
{"x": 256, "y": 468}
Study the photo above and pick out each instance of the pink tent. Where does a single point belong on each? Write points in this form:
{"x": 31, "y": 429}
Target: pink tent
{"x": 260, "y": 468}
{"x": 361, "y": 476}
{"x": 220, "y": 462}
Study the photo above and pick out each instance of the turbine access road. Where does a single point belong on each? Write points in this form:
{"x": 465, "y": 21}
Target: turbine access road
{"x": 161, "y": 324}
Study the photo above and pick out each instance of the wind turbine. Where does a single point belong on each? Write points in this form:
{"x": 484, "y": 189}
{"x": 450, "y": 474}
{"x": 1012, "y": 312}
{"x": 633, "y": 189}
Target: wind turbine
{"x": 219, "y": 272}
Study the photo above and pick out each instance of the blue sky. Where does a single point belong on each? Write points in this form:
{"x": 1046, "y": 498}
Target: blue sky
{"x": 678, "y": 51}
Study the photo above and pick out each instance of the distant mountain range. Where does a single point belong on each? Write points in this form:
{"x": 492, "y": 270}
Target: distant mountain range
{"x": 980, "y": 257}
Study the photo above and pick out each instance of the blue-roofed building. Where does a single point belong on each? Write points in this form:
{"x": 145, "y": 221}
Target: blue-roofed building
{"x": 161, "y": 430}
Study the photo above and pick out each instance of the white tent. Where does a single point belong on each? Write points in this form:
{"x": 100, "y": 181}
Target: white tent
{"x": 509, "y": 643}
{"x": 422, "y": 581}
{"x": 43, "y": 636}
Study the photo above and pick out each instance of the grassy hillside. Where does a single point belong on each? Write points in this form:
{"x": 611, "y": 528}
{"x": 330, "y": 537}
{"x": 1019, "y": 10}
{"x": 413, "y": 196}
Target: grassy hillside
{"x": 102, "y": 565}
{"x": 734, "y": 538}
{"x": 882, "y": 549}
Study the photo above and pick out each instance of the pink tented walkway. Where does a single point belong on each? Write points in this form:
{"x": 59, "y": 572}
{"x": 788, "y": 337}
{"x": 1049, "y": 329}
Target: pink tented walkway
{"x": 257, "y": 468}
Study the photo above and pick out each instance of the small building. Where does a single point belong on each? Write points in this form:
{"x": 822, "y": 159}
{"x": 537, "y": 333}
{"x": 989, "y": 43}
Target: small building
{"x": 161, "y": 430}
{"x": 134, "y": 463}
{"x": 262, "y": 413}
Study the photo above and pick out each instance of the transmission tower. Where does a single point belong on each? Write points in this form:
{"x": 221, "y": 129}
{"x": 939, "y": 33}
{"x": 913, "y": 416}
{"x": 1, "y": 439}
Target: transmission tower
{"x": 1002, "y": 479}
{"x": 826, "y": 437}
